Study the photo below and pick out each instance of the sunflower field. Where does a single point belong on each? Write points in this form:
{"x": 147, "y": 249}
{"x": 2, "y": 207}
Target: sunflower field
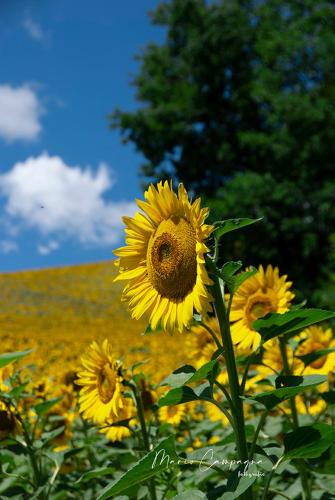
{"x": 166, "y": 373}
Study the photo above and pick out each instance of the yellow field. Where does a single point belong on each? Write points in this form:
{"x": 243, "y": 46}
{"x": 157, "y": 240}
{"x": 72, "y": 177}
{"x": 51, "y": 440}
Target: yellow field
{"x": 59, "y": 311}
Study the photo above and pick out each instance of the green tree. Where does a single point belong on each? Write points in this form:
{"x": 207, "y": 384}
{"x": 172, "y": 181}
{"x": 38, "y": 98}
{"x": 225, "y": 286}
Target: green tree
{"x": 239, "y": 104}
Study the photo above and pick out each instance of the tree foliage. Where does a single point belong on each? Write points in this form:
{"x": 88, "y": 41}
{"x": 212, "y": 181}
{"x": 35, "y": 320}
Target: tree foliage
{"x": 239, "y": 104}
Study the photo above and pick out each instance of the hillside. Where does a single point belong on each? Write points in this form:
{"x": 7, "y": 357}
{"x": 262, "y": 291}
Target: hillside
{"x": 59, "y": 311}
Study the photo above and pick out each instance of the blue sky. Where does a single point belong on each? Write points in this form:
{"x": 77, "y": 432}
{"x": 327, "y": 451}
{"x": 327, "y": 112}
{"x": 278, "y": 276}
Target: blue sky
{"x": 65, "y": 177}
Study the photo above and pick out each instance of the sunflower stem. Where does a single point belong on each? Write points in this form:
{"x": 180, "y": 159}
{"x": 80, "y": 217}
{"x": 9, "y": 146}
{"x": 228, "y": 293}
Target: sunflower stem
{"x": 212, "y": 333}
{"x": 144, "y": 432}
{"x": 229, "y": 355}
{"x": 261, "y": 422}
{"x": 37, "y": 479}
{"x": 300, "y": 464}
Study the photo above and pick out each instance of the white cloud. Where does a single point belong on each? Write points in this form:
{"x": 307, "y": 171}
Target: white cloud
{"x": 32, "y": 28}
{"x": 62, "y": 201}
{"x": 20, "y": 112}
{"x": 8, "y": 246}
{"x": 49, "y": 247}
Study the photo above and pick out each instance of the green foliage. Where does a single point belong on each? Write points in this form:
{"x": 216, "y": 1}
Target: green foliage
{"x": 270, "y": 399}
{"x": 188, "y": 374}
{"x": 309, "y": 441}
{"x": 185, "y": 394}
{"x": 9, "y": 357}
{"x": 232, "y": 280}
{"x": 157, "y": 460}
{"x": 292, "y": 321}
{"x": 238, "y": 102}
{"x": 42, "y": 408}
{"x": 240, "y": 480}
{"x": 227, "y": 226}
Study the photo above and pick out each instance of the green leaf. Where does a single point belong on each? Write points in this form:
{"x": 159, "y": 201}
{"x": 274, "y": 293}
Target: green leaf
{"x": 329, "y": 397}
{"x": 18, "y": 390}
{"x": 190, "y": 495}
{"x": 293, "y": 385}
{"x": 313, "y": 356}
{"x": 233, "y": 281}
{"x": 44, "y": 407}
{"x": 241, "y": 479}
{"x": 309, "y": 441}
{"x": 229, "y": 269}
{"x": 180, "y": 376}
{"x": 157, "y": 460}
{"x": 226, "y": 226}
{"x": 9, "y": 357}
{"x": 205, "y": 371}
{"x": 242, "y": 277}
{"x": 46, "y": 437}
{"x": 185, "y": 394}
{"x": 92, "y": 474}
{"x": 276, "y": 324}
{"x": 188, "y": 374}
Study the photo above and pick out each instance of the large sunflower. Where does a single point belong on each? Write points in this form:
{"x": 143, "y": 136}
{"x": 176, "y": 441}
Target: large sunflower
{"x": 101, "y": 393}
{"x": 259, "y": 295}
{"x": 163, "y": 259}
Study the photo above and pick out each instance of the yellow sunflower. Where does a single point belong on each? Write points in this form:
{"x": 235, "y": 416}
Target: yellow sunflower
{"x": 5, "y": 373}
{"x": 119, "y": 432}
{"x": 259, "y": 295}
{"x": 215, "y": 414}
{"x": 314, "y": 339}
{"x": 272, "y": 361}
{"x": 163, "y": 259}
{"x": 172, "y": 414}
{"x": 9, "y": 424}
{"x": 312, "y": 406}
{"x": 101, "y": 393}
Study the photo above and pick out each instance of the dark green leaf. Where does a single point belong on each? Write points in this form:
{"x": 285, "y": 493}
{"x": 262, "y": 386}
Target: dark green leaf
{"x": 44, "y": 407}
{"x": 270, "y": 399}
{"x": 226, "y": 226}
{"x": 157, "y": 460}
{"x": 241, "y": 479}
{"x": 309, "y": 358}
{"x": 276, "y": 324}
{"x": 329, "y": 397}
{"x": 309, "y": 441}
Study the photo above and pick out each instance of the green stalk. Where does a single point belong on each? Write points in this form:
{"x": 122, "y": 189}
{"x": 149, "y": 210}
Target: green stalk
{"x": 300, "y": 464}
{"x": 144, "y": 432}
{"x": 237, "y": 410}
{"x": 31, "y": 452}
{"x": 259, "y": 427}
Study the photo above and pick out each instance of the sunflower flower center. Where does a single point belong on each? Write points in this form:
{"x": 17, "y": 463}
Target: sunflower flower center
{"x": 172, "y": 258}
{"x": 106, "y": 383}
{"x": 7, "y": 422}
{"x": 172, "y": 411}
{"x": 258, "y": 307}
